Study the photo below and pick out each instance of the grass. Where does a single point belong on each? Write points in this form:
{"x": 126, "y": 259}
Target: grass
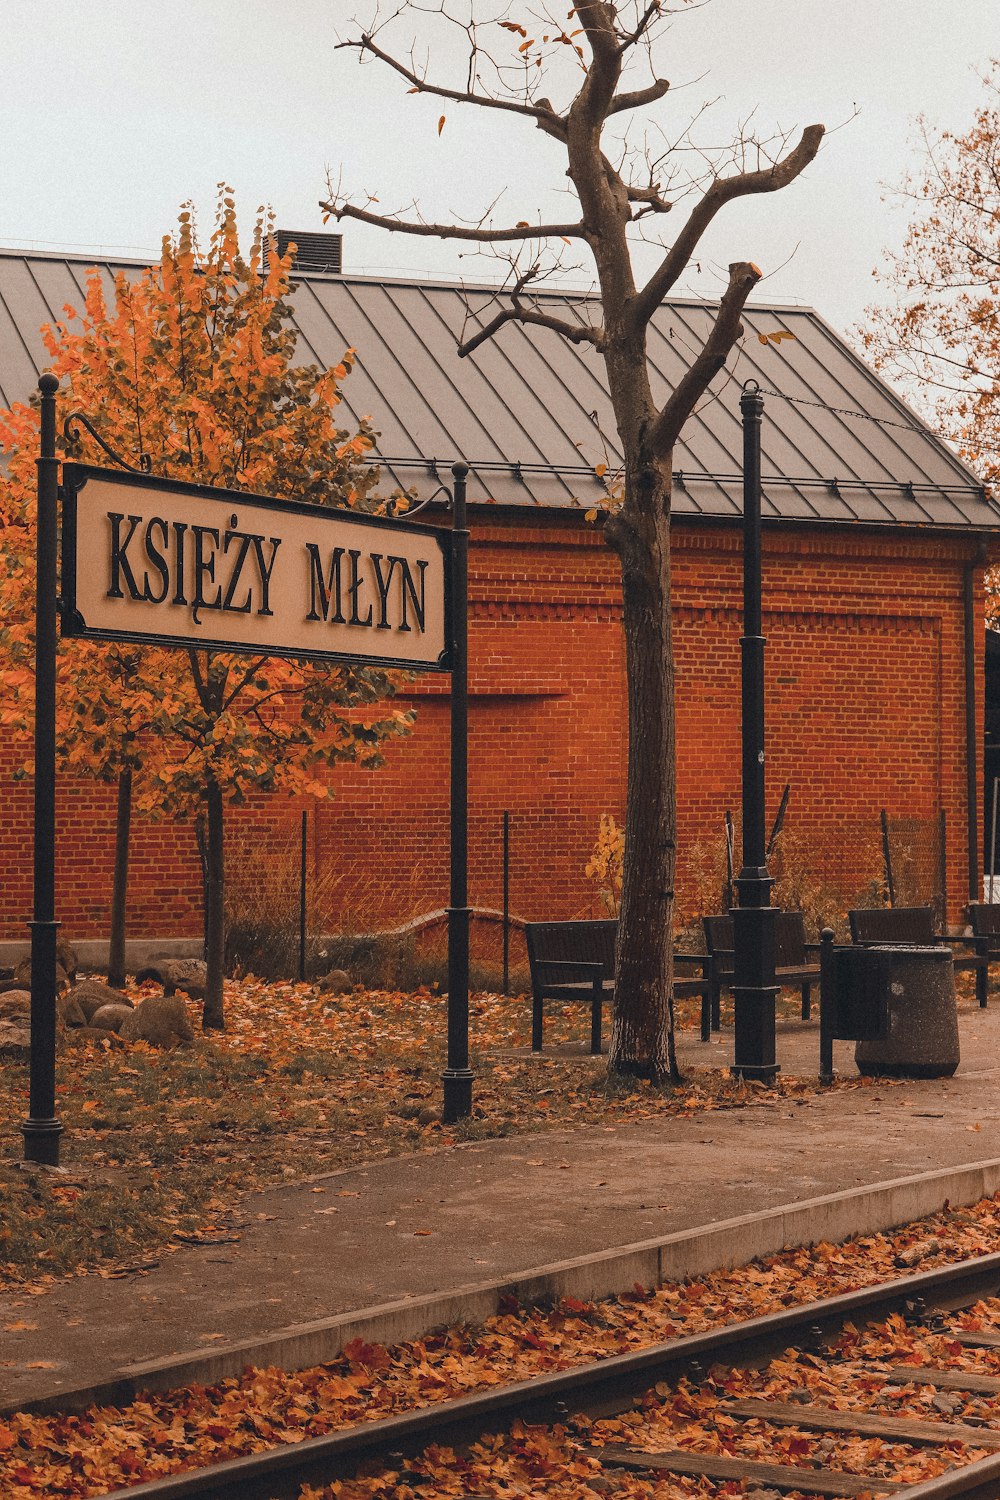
{"x": 161, "y": 1147}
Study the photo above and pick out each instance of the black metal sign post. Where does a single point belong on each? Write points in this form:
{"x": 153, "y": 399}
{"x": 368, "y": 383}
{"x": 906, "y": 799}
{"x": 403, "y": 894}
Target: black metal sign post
{"x": 754, "y": 989}
{"x": 457, "y": 1076}
{"x": 41, "y": 1130}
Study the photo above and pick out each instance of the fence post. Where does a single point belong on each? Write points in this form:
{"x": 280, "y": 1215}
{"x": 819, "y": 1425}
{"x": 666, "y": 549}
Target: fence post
{"x": 887, "y": 856}
{"x": 302, "y": 901}
{"x": 506, "y": 902}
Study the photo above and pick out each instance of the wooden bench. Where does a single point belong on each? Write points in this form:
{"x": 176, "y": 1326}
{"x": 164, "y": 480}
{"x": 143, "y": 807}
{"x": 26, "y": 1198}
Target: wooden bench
{"x": 984, "y": 917}
{"x": 913, "y": 926}
{"x": 796, "y": 962}
{"x": 575, "y": 961}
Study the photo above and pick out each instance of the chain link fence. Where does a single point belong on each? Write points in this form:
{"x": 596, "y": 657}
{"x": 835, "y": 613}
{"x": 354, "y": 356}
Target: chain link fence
{"x": 821, "y": 868}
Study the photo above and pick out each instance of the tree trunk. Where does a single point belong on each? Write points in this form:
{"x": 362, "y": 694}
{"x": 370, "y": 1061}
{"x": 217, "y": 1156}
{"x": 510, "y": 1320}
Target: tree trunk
{"x": 119, "y": 888}
{"x": 202, "y": 846}
{"x": 642, "y": 1039}
{"x": 213, "y": 1015}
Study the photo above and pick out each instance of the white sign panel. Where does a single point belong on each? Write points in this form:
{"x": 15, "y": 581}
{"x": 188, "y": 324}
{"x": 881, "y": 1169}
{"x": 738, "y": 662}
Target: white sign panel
{"x": 151, "y": 560}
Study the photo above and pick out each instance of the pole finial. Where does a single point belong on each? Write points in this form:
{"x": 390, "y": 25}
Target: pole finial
{"x": 48, "y": 383}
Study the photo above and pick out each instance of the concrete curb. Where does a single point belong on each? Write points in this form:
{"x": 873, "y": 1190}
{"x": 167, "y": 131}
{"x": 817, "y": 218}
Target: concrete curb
{"x": 689, "y": 1253}
{"x": 92, "y": 953}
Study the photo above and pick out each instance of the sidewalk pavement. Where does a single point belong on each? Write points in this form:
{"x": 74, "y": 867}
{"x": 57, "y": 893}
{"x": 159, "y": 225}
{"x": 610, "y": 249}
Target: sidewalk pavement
{"x": 492, "y": 1210}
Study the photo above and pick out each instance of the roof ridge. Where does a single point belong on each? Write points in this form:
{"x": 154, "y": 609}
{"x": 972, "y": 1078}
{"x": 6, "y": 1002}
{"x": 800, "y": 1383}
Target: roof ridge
{"x": 98, "y": 256}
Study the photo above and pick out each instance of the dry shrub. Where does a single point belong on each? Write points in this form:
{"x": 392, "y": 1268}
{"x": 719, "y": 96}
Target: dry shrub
{"x": 352, "y": 923}
{"x": 822, "y": 874}
{"x": 347, "y": 915}
{"x": 606, "y": 864}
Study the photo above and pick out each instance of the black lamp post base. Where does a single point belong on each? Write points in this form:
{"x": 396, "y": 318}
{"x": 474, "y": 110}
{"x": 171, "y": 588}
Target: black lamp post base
{"x": 41, "y": 1141}
{"x": 457, "y": 1094}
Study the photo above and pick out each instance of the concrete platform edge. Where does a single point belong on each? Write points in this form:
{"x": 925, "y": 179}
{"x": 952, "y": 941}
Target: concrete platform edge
{"x": 688, "y": 1253}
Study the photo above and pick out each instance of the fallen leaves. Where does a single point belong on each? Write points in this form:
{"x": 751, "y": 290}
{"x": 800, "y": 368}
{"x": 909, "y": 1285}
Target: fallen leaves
{"x": 83, "y": 1455}
{"x": 301, "y": 1083}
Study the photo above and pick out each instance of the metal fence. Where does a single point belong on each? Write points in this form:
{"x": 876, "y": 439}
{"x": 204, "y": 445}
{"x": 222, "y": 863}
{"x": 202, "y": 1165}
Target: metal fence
{"x": 823, "y": 868}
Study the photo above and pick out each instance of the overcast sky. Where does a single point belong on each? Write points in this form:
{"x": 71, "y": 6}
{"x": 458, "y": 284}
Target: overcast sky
{"x": 115, "y": 112}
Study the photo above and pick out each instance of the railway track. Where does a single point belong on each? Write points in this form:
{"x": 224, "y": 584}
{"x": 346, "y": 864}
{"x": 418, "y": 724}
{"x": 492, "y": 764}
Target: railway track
{"x": 843, "y": 1348}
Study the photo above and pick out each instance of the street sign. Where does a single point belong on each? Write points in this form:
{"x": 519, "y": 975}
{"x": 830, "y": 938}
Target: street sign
{"x": 170, "y": 564}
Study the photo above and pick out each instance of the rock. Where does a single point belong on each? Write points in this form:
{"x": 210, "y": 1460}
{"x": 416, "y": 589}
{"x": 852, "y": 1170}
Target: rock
{"x": 91, "y": 995}
{"x": 187, "y": 974}
{"x": 22, "y": 977}
{"x": 66, "y": 957}
{"x": 81, "y": 1035}
{"x": 161, "y": 1020}
{"x": 111, "y": 1017}
{"x": 15, "y": 1039}
{"x": 337, "y": 982}
{"x": 68, "y": 1011}
{"x": 15, "y": 1003}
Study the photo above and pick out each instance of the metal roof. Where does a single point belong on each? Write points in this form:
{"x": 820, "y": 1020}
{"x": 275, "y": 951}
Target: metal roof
{"x": 531, "y": 414}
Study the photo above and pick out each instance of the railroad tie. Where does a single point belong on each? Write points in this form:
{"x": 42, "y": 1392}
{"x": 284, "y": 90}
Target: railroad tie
{"x": 825, "y": 1482}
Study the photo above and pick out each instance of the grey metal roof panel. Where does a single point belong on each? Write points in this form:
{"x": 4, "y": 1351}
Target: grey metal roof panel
{"x": 531, "y": 413}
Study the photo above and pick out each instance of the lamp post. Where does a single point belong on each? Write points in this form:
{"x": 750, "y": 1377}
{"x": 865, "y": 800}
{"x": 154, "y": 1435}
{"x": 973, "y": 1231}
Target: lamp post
{"x": 754, "y": 989}
{"x": 41, "y": 1130}
{"x": 457, "y": 1076}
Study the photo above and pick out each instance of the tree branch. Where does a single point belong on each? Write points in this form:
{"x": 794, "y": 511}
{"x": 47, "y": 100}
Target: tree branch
{"x": 244, "y": 678}
{"x": 638, "y": 97}
{"x": 651, "y": 197}
{"x": 666, "y": 427}
{"x": 523, "y": 231}
{"x": 653, "y": 9}
{"x": 576, "y": 333}
{"x": 722, "y": 191}
{"x": 597, "y": 92}
{"x": 542, "y": 112}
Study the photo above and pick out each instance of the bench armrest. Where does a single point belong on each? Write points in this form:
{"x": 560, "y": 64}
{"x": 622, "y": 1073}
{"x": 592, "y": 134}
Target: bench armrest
{"x": 702, "y": 960}
{"x": 977, "y": 944}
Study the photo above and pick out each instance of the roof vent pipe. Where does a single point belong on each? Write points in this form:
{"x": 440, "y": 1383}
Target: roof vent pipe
{"x": 315, "y": 254}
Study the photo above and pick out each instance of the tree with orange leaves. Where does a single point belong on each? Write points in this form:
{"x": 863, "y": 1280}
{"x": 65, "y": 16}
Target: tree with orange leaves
{"x": 938, "y": 334}
{"x": 192, "y": 364}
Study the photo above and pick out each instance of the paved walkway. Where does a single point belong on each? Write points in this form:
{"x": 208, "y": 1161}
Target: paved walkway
{"x": 493, "y": 1209}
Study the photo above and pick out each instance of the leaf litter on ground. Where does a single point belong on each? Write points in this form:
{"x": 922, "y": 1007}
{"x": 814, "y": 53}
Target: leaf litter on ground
{"x": 163, "y": 1146}
{"x": 81, "y": 1455}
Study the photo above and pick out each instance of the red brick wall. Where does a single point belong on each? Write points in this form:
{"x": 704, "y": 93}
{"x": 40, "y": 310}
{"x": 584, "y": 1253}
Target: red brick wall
{"x": 865, "y": 702}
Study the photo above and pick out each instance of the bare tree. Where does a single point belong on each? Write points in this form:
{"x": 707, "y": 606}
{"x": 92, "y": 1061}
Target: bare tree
{"x": 608, "y": 45}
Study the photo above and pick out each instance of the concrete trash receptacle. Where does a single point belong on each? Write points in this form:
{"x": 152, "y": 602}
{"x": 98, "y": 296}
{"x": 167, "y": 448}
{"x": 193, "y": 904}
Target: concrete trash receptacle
{"x": 923, "y": 1022}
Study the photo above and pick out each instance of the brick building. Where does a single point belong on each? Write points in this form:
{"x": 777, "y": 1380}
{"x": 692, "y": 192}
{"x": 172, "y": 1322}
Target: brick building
{"x": 875, "y": 542}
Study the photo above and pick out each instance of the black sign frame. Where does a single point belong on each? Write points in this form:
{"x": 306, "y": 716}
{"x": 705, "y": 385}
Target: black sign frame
{"x": 42, "y": 1129}
{"x": 73, "y": 625}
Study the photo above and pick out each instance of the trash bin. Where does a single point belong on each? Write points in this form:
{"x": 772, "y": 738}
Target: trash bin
{"x": 922, "y": 1035}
